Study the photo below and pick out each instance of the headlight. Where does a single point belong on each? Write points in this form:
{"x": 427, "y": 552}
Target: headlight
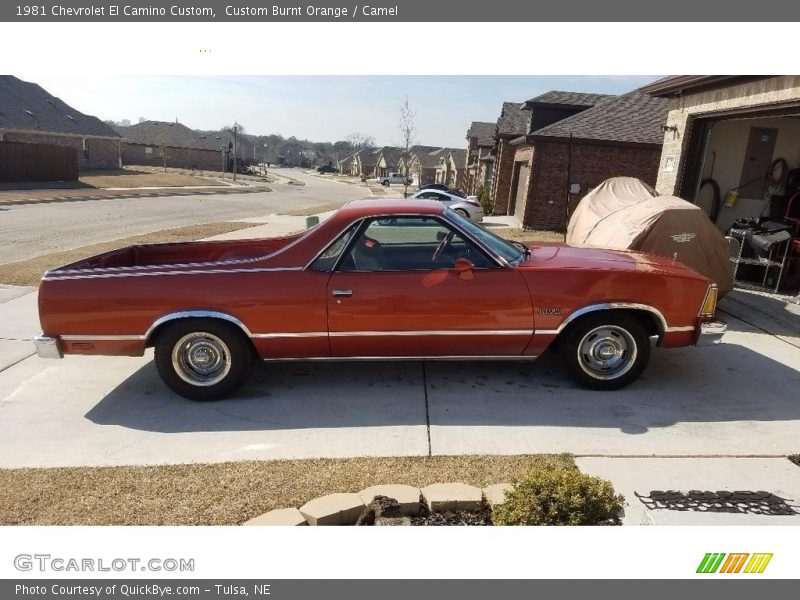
{"x": 710, "y": 303}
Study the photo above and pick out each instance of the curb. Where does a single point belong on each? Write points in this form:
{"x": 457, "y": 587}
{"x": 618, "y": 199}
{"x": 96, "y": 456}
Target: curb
{"x": 176, "y": 192}
{"x": 344, "y": 509}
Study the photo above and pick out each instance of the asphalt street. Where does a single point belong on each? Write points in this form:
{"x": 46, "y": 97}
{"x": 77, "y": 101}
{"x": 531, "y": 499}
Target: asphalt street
{"x": 29, "y": 230}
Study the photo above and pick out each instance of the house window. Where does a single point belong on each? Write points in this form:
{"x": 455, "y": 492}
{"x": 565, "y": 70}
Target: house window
{"x": 148, "y": 150}
{"x": 85, "y": 148}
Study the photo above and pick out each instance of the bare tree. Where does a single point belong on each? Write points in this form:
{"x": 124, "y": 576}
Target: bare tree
{"x": 162, "y": 150}
{"x": 408, "y": 133}
{"x": 360, "y": 140}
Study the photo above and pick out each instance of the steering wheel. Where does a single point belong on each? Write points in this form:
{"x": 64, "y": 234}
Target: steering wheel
{"x": 442, "y": 245}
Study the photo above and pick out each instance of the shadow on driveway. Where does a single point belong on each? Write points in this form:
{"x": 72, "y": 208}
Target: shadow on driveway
{"x": 726, "y": 383}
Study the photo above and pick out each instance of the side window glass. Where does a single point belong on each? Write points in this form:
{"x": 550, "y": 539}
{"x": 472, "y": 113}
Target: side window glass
{"x": 410, "y": 244}
{"x": 327, "y": 260}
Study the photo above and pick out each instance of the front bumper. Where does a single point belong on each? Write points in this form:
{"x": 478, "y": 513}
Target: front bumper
{"x": 711, "y": 333}
{"x": 47, "y": 347}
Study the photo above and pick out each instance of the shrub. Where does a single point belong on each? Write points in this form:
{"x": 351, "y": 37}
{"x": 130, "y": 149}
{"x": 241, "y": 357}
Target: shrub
{"x": 485, "y": 198}
{"x": 550, "y": 496}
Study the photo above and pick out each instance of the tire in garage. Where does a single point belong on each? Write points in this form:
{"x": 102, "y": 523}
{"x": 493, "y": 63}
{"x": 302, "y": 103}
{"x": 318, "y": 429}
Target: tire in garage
{"x": 203, "y": 359}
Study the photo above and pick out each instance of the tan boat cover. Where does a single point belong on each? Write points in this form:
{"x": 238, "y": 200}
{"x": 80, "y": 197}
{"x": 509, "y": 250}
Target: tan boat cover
{"x": 625, "y": 213}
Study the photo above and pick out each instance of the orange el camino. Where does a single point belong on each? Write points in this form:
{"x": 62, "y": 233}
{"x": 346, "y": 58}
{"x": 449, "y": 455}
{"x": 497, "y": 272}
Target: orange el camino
{"x": 378, "y": 280}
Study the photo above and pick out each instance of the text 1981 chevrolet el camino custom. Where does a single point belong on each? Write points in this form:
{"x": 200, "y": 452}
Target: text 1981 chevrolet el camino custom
{"x": 379, "y": 279}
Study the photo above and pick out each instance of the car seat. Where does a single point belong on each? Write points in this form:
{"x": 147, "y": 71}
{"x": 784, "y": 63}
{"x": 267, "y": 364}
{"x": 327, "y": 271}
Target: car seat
{"x": 367, "y": 255}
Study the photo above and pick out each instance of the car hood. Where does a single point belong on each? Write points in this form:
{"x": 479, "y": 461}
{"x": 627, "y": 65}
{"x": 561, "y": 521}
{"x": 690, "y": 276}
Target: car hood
{"x": 562, "y": 256}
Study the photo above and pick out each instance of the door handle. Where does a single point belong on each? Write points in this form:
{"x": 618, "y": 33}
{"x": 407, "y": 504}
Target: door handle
{"x": 342, "y": 293}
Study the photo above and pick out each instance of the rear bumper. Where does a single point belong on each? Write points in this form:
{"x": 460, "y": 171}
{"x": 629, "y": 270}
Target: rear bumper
{"x": 711, "y": 333}
{"x": 47, "y": 347}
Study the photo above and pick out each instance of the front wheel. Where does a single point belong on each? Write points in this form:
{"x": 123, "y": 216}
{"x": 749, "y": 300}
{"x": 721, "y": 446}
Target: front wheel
{"x": 203, "y": 359}
{"x": 606, "y": 351}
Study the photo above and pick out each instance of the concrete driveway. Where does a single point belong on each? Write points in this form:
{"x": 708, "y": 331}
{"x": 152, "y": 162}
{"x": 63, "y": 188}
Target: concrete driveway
{"x": 28, "y": 230}
{"x": 737, "y": 399}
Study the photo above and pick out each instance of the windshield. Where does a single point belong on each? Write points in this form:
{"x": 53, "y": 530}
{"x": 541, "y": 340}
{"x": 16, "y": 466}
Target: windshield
{"x": 511, "y": 253}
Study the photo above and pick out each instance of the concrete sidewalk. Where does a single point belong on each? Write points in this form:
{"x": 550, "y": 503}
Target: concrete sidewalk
{"x": 644, "y": 475}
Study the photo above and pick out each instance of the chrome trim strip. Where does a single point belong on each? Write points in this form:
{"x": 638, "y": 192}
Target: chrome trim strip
{"x": 101, "y": 338}
{"x": 435, "y": 332}
{"x": 459, "y": 357}
{"x": 196, "y": 314}
{"x": 680, "y": 329}
{"x": 611, "y": 306}
{"x": 58, "y": 277}
{"x": 305, "y": 334}
{"x": 546, "y": 332}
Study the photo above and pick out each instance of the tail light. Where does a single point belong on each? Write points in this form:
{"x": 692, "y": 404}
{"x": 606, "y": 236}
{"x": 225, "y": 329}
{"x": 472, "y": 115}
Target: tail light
{"x": 474, "y": 203}
{"x": 710, "y": 302}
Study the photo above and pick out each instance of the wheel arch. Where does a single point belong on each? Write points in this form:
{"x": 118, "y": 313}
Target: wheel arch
{"x": 652, "y": 318}
{"x": 164, "y": 321}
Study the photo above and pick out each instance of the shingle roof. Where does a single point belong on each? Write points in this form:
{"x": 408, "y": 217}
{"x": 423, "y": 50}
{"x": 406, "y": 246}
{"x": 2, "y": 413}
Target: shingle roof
{"x": 431, "y": 159}
{"x": 368, "y": 156}
{"x": 634, "y": 118}
{"x": 391, "y": 154}
{"x": 27, "y": 106}
{"x": 569, "y": 98}
{"x": 481, "y": 130}
{"x": 459, "y": 156}
{"x": 175, "y": 135}
{"x": 513, "y": 120}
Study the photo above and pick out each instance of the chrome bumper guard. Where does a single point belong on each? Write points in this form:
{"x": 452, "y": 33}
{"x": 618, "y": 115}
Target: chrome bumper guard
{"x": 47, "y": 347}
{"x": 711, "y": 333}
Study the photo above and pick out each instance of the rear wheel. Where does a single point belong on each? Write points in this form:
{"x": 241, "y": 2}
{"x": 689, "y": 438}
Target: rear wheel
{"x": 605, "y": 351}
{"x": 462, "y": 212}
{"x": 203, "y": 359}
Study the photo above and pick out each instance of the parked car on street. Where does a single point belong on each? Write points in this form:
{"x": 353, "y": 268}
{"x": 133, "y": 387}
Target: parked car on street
{"x": 442, "y": 188}
{"x": 466, "y": 207}
{"x": 379, "y": 279}
{"x": 397, "y": 178}
{"x": 327, "y": 169}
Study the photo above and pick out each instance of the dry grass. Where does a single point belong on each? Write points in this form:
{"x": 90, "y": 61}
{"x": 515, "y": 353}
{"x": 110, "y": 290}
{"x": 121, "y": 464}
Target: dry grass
{"x": 227, "y": 493}
{"x": 313, "y": 210}
{"x": 525, "y": 235}
{"x": 134, "y": 178}
{"x": 30, "y": 271}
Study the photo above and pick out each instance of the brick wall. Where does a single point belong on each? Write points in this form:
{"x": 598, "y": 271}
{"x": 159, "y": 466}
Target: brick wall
{"x": 591, "y": 165}
{"x": 179, "y": 158}
{"x": 752, "y": 94}
{"x": 504, "y": 173}
{"x": 100, "y": 153}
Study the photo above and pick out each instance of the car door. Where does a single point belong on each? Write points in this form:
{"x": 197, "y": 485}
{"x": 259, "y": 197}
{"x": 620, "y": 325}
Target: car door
{"x": 389, "y": 295}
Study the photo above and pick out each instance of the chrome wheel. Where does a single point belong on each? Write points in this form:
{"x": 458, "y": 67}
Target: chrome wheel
{"x": 201, "y": 359}
{"x": 607, "y": 352}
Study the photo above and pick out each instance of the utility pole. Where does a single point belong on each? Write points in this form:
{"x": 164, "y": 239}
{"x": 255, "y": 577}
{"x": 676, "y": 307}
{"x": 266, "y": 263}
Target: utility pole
{"x": 234, "y": 153}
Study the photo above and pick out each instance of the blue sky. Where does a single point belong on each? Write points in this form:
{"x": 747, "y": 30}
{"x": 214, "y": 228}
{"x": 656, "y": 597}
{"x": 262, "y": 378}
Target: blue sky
{"x": 320, "y": 108}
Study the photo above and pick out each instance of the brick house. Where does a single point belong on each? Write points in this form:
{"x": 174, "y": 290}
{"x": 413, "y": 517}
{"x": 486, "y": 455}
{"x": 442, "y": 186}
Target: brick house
{"x": 155, "y": 143}
{"x": 619, "y": 136}
{"x": 420, "y": 163}
{"x": 512, "y": 152}
{"x": 740, "y": 132}
{"x": 387, "y": 161}
{"x": 451, "y": 169}
{"x": 30, "y": 115}
{"x": 479, "y": 158}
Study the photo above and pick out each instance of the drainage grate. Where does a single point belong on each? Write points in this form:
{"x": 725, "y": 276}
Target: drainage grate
{"x": 743, "y": 502}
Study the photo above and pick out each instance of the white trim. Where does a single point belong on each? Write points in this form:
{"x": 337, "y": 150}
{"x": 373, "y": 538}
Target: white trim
{"x": 56, "y": 277}
{"x": 433, "y": 332}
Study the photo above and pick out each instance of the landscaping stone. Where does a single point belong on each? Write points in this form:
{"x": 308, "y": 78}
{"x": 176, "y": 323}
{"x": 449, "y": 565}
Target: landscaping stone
{"x": 440, "y": 497}
{"x": 280, "y": 516}
{"x": 333, "y": 509}
{"x": 407, "y": 496}
{"x": 383, "y": 511}
{"x": 496, "y": 494}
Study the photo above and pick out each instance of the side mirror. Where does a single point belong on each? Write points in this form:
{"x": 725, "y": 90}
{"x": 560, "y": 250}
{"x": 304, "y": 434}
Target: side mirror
{"x": 464, "y": 269}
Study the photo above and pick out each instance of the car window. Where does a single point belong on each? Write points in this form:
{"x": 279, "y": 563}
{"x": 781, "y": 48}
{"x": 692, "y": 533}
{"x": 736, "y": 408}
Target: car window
{"x": 327, "y": 260}
{"x": 410, "y": 244}
{"x": 427, "y": 196}
{"x": 503, "y": 248}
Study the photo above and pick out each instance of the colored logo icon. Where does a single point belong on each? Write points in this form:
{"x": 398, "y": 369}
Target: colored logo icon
{"x": 742, "y": 562}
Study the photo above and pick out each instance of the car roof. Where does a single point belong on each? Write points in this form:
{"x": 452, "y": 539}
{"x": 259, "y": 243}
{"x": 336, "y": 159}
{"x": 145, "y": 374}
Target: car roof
{"x": 367, "y": 208}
